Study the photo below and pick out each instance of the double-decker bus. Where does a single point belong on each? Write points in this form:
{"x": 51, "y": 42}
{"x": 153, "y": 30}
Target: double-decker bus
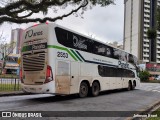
{"x": 61, "y": 61}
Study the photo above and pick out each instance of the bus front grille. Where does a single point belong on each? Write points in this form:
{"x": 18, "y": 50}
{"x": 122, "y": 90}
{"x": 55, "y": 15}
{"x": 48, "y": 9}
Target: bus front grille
{"x": 35, "y": 62}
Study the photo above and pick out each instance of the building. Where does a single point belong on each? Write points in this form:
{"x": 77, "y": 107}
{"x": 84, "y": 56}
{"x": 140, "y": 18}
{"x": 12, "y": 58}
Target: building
{"x": 16, "y": 36}
{"x": 12, "y": 66}
{"x": 139, "y": 17}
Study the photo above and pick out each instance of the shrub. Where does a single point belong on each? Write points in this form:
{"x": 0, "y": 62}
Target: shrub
{"x": 144, "y": 75}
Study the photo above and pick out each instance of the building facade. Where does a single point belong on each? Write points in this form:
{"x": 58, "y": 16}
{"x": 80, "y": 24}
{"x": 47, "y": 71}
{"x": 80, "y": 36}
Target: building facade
{"x": 16, "y": 37}
{"x": 140, "y": 15}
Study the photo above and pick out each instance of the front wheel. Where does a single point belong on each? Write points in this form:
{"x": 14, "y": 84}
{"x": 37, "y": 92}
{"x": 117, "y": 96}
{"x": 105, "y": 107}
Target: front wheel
{"x": 95, "y": 89}
{"x": 83, "y": 90}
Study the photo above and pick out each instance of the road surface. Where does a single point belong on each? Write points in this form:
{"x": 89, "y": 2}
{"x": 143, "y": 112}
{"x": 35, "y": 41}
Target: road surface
{"x": 112, "y": 101}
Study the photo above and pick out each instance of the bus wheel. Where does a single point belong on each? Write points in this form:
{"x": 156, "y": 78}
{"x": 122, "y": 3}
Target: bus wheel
{"x": 129, "y": 86}
{"x": 95, "y": 89}
{"x": 83, "y": 91}
{"x": 134, "y": 85}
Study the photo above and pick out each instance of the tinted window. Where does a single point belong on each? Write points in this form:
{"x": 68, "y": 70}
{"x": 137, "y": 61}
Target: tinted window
{"x": 101, "y": 49}
{"x": 106, "y": 71}
{"x": 75, "y": 41}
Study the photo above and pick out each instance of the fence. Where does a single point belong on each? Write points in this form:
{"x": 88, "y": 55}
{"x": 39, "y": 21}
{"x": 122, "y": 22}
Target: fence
{"x": 9, "y": 84}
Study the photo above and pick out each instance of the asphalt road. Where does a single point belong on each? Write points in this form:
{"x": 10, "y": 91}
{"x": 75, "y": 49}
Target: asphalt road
{"x": 116, "y": 102}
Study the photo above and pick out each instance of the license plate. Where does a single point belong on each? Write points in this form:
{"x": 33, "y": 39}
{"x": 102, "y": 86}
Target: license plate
{"x": 32, "y": 89}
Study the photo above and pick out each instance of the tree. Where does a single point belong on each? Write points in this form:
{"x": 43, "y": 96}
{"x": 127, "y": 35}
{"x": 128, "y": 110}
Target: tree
{"x": 151, "y": 33}
{"x": 144, "y": 75}
{"x": 158, "y": 18}
{"x": 22, "y": 11}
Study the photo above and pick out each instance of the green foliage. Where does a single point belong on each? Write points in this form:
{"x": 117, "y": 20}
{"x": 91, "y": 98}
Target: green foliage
{"x": 144, "y": 76}
{"x": 157, "y": 112}
{"x": 158, "y": 18}
{"x": 151, "y": 33}
{"x": 9, "y": 87}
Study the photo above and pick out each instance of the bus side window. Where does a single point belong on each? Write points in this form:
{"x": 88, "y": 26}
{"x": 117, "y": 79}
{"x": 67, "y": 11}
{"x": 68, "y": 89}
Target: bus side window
{"x": 100, "y": 70}
{"x": 133, "y": 74}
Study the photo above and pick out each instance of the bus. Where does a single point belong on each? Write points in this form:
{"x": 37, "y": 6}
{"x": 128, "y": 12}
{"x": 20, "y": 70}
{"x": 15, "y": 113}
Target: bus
{"x": 60, "y": 61}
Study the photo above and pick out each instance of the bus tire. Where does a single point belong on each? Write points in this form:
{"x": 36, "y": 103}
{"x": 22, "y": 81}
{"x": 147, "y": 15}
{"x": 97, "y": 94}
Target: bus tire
{"x": 83, "y": 90}
{"x": 134, "y": 85}
{"x": 129, "y": 86}
{"x": 95, "y": 89}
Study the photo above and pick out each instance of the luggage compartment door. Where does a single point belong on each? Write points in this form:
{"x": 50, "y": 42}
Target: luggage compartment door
{"x": 63, "y": 79}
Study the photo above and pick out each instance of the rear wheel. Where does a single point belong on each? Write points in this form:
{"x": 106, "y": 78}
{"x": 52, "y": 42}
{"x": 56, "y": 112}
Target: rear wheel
{"x": 129, "y": 86}
{"x": 134, "y": 85}
{"x": 95, "y": 89}
{"x": 83, "y": 90}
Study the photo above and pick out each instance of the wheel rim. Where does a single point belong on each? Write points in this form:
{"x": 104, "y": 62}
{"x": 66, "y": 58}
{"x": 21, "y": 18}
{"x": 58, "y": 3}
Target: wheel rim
{"x": 95, "y": 89}
{"x": 83, "y": 90}
{"x": 134, "y": 85}
{"x": 129, "y": 86}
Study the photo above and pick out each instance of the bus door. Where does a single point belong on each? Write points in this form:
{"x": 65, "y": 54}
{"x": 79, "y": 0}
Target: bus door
{"x": 63, "y": 79}
{"x": 124, "y": 78}
{"x": 75, "y": 68}
{"x": 120, "y": 78}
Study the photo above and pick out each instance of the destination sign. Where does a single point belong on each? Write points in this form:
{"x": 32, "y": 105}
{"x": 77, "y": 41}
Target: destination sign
{"x": 34, "y": 47}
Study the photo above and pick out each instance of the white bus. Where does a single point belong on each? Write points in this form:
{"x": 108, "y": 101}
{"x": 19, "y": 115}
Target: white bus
{"x": 61, "y": 61}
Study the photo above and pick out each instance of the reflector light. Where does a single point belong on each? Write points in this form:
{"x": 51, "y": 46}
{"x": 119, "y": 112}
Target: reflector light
{"x": 49, "y": 76}
{"x": 35, "y": 24}
{"x": 47, "y": 23}
{"x": 21, "y": 76}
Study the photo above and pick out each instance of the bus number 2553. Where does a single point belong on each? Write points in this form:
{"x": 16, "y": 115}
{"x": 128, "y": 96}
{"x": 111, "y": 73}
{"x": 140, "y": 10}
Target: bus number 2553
{"x": 62, "y": 54}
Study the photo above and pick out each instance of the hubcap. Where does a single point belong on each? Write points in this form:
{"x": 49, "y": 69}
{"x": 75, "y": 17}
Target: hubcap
{"x": 83, "y": 89}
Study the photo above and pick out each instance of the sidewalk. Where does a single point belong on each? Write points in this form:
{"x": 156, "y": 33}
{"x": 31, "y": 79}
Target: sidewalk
{"x": 12, "y": 93}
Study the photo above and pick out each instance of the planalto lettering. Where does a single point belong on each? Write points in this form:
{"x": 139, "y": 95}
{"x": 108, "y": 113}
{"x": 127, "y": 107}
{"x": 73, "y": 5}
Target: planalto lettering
{"x": 123, "y": 65}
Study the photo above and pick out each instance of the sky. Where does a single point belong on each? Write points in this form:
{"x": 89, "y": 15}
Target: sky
{"x": 102, "y": 23}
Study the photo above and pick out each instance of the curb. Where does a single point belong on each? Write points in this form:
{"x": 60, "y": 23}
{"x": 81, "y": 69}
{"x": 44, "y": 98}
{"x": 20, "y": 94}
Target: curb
{"x": 145, "y": 111}
{"x": 13, "y": 94}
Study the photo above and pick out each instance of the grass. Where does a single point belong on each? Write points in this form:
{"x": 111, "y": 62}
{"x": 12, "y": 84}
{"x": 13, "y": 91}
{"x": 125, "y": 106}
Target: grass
{"x": 157, "y": 112}
{"x": 9, "y": 87}
{"x": 9, "y": 76}
{"x": 9, "y": 82}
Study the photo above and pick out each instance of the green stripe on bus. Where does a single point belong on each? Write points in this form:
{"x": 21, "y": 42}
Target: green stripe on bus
{"x": 76, "y": 55}
{"x": 62, "y": 48}
{"x": 25, "y": 48}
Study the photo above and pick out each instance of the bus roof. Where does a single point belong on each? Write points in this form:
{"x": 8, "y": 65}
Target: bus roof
{"x": 57, "y": 25}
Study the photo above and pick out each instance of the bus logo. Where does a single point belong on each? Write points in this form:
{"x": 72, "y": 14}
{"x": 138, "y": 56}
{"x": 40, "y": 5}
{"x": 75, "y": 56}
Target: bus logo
{"x": 123, "y": 65}
{"x": 79, "y": 43}
{"x": 31, "y": 33}
{"x": 6, "y": 114}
